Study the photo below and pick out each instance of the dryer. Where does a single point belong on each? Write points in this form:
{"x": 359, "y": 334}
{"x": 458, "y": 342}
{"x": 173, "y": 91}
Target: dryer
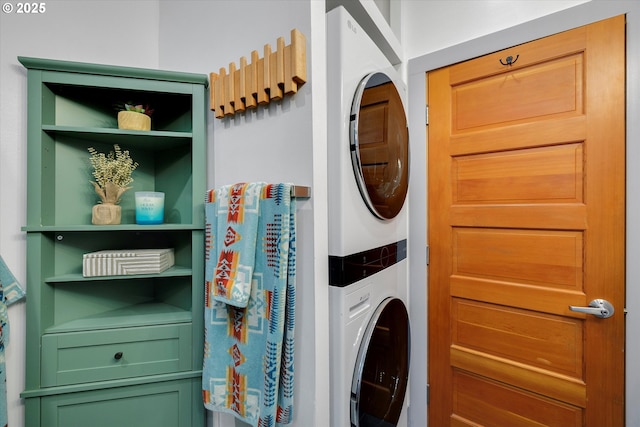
{"x": 366, "y": 202}
{"x": 368, "y": 230}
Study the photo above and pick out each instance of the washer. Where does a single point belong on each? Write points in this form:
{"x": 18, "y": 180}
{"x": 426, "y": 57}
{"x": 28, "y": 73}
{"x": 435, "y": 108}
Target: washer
{"x": 368, "y": 230}
{"x": 370, "y": 346}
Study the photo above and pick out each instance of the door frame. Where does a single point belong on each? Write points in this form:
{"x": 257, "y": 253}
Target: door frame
{"x": 567, "y": 19}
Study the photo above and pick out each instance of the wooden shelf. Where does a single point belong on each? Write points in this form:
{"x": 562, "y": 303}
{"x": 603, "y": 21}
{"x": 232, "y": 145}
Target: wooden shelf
{"x": 130, "y": 316}
{"x": 175, "y": 271}
{"x": 139, "y": 139}
{"x": 110, "y": 228}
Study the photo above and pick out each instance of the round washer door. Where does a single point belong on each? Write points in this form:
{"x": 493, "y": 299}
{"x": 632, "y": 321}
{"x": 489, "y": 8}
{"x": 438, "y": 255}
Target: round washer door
{"x": 382, "y": 368}
{"x": 379, "y": 143}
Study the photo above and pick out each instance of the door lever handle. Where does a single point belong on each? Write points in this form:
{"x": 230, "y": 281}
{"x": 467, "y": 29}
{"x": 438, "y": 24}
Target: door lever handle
{"x": 598, "y": 307}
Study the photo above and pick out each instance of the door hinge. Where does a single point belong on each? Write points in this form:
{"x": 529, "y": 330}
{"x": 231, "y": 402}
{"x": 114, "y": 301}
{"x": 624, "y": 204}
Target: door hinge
{"x": 427, "y": 394}
{"x": 427, "y": 255}
{"x": 426, "y": 115}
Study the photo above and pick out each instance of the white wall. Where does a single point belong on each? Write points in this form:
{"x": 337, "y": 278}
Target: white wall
{"x": 430, "y": 25}
{"x": 86, "y": 31}
{"x": 285, "y": 142}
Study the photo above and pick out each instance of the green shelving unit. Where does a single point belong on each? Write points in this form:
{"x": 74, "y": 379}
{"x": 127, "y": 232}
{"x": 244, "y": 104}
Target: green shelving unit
{"x": 116, "y": 350}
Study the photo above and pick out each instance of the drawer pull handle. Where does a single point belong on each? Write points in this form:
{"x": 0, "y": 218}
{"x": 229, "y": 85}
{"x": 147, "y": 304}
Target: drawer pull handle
{"x": 118, "y": 355}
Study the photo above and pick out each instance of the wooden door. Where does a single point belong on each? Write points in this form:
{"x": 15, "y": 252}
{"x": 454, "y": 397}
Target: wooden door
{"x": 527, "y": 217}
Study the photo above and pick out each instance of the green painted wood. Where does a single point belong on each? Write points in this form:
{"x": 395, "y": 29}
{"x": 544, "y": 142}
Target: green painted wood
{"x": 36, "y": 175}
{"x": 36, "y": 311}
{"x": 102, "y": 385}
{"x": 87, "y": 68}
{"x": 149, "y": 140}
{"x": 77, "y": 357}
{"x": 175, "y": 271}
{"x": 71, "y": 108}
{"x": 197, "y": 301}
{"x": 143, "y": 314}
{"x": 32, "y": 414}
{"x": 152, "y": 405}
{"x": 110, "y": 228}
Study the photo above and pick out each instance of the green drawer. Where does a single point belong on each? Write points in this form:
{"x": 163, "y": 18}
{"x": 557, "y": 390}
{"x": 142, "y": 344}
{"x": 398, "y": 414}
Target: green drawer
{"x": 80, "y": 357}
{"x": 164, "y": 404}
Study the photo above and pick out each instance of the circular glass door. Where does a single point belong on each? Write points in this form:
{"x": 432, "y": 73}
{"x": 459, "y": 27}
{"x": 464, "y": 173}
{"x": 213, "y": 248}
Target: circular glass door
{"x": 380, "y": 145}
{"x": 382, "y": 368}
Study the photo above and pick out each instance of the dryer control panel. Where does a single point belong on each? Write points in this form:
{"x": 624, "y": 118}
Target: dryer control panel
{"x": 346, "y": 270}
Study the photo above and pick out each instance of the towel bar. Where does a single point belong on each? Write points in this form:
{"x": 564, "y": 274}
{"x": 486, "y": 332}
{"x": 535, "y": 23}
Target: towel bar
{"x": 297, "y": 191}
{"x": 300, "y": 191}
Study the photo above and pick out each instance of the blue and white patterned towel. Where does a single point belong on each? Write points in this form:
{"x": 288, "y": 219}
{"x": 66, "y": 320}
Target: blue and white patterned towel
{"x": 236, "y": 233}
{"x": 10, "y": 292}
{"x": 248, "y": 367}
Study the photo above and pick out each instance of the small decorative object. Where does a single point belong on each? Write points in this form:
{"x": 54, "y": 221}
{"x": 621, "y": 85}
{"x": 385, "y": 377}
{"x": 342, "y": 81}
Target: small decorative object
{"x": 149, "y": 207}
{"x": 134, "y": 117}
{"x": 127, "y": 261}
{"x": 113, "y": 174}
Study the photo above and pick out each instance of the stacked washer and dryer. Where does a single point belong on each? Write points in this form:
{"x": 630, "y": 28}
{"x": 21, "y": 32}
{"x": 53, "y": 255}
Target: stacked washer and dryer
{"x": 368, "y": 230}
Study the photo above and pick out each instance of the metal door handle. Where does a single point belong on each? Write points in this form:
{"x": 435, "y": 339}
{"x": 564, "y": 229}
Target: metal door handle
{"x": 598, "y": 307}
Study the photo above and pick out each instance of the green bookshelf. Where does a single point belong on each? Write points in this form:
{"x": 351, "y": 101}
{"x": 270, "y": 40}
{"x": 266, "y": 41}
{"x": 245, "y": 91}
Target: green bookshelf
{"x": 116, "y": 350}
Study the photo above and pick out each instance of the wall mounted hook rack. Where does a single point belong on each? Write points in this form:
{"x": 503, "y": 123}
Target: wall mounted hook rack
{"x": 276, "y": 74}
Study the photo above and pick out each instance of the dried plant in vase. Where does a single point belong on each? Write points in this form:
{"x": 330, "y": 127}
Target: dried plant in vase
{"x": 112, "y": 173}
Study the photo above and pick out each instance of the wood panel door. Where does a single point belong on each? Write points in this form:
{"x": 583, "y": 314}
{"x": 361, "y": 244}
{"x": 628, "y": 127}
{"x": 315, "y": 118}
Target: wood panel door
{"x": 526, "y": 214}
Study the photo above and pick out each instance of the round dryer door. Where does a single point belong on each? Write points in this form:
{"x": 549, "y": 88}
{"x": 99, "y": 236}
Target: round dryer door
{"x": 380, "y": 145}
{"x": 382, "y": 369}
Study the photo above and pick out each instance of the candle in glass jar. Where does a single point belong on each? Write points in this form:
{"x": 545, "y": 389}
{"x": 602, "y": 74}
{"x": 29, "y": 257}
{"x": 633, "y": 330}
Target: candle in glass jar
{"x": 149, "y": 207}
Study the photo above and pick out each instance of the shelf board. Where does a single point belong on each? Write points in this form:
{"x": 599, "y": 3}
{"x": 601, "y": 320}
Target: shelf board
{"x": 141, "y": 138}
{"x": 109, "y": 228}
{"x": 175, "y": 271}
{"x": 135, "y": 315}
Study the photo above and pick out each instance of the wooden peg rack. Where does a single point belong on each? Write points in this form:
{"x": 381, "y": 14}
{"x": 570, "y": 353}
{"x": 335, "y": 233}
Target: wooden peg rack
{"x": 262, "y": 80}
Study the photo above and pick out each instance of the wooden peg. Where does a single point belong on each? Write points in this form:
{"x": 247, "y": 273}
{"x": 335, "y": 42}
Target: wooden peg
{"x": 228, "y": 93}
{"x": 241, "y": 84}
{"x": 230, "y": 89}
{"x": 267, "y": 68}
{"x": 261, "y": 92}
{"x": 252, "y": 85}
{"x": 298, "y": 57}
{"x": 280, "y": 62}
{"x": 249, "y": 100}
{"x": 254, "y": 75}
{"x": 212, "y": 98}
{"x": 219, "y": 93}
{"x": 290, "y": 86}
{"x": 276, "y": 91}
{"x": 238, "y": 104}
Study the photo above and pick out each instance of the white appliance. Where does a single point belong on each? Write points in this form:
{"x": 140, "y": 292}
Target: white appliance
{"x": 351, "y": 56}
{"x": 368, "y": 230}
{"x": 370, "y": 349}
